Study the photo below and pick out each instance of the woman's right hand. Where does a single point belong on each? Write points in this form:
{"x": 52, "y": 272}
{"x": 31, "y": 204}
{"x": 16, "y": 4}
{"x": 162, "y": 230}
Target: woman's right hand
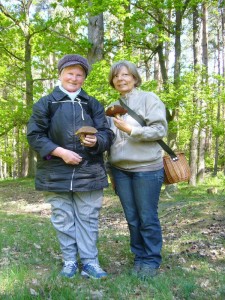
{"x": 122, "y": 125}
{"x": 69, "y": 157}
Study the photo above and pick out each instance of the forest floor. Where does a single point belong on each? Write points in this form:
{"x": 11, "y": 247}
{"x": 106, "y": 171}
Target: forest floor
{"x": 193, "y": 267}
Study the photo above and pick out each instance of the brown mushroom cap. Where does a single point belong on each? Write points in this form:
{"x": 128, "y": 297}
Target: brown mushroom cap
{"x": 86, "y": 130}
{"x": 115, "y": 110}
{"x": 83, "y": 131}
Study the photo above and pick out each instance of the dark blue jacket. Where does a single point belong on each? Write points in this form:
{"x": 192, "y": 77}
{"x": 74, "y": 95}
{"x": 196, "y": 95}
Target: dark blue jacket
{"x": 54, "y": 121}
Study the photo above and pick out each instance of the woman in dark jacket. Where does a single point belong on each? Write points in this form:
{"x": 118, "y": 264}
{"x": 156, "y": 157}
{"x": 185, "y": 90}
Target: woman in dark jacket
{"x": 71, "y": 171}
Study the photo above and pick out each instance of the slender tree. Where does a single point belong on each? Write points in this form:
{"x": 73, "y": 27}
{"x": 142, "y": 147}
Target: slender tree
{"x": 195, "y": 128}
{"x": 218, "y": 114}
{"x": 203, "y": 106}
{"x": 22, "y": 22}
{"x": 222, "y": 9}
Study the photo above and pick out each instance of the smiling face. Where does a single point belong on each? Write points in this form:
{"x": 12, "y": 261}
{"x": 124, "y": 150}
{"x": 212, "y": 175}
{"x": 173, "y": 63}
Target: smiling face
{"x": 123, "y": 81}
{"x": 72, "y": 78}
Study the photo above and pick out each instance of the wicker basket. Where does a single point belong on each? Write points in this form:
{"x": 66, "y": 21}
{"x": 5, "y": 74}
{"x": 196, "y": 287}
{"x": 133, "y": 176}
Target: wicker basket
{"x": 176, "y": 170}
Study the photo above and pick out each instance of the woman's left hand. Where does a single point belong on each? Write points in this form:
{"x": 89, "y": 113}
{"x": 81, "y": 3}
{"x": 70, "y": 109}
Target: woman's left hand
{"x": 122, "y": 125}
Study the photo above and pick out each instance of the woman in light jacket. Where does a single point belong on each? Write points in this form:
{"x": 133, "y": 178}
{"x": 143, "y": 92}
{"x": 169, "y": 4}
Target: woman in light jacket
{"x": 136, "y": 166}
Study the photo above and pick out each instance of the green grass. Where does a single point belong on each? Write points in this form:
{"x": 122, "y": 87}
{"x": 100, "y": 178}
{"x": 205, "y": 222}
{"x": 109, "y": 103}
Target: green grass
{"x": 193, "y": 267}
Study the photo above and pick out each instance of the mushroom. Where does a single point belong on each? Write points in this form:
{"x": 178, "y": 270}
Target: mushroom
{"x": 83, "y": 131}
{"x": 115, "y": 111}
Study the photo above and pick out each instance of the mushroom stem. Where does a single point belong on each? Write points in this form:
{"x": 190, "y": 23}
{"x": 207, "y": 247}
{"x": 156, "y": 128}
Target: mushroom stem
{"x": 85, "y": 130}
{"x": 117, "y": 116}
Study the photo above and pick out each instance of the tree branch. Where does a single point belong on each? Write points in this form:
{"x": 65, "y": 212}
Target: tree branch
{"x": 13, "y": 54}
{"x": 7, "y": 14}
{"x": 145, "y": 9}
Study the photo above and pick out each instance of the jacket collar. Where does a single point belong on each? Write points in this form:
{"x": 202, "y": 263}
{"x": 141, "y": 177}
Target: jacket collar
{"x": 60, "y": 95}
{"x": 133, "y": 92}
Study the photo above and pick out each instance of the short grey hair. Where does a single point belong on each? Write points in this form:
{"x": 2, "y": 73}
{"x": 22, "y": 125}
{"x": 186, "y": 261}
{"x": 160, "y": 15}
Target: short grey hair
{"x": 131, "y": 67}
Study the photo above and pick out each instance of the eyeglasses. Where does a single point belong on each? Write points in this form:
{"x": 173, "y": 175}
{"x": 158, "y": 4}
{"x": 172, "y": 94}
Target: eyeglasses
{"x": 122, "y": 76}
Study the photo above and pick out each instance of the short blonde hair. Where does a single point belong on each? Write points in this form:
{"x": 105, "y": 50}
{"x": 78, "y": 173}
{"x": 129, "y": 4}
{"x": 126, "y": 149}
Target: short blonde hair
{"x": 115, "y": 68}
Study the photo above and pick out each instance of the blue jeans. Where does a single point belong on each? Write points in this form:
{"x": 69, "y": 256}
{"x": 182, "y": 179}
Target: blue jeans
{"x": 139, "y": 195}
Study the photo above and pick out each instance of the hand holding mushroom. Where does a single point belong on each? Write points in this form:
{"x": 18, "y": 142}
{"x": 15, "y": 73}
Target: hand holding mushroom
{"x": 116, "y": 111}
{"x": 87, "y": 136}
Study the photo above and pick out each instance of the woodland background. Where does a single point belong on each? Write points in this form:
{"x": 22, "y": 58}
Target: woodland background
{"x": 178, "y": 46}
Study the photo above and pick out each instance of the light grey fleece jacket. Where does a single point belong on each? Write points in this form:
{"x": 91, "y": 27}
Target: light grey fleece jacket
{"x": 139, "y": 150}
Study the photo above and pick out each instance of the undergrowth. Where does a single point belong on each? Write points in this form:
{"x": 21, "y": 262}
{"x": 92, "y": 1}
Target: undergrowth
{"x": 193, "y": 252}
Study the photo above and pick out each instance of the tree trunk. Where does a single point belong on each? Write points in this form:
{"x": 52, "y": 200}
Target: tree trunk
{"x": 162, "y": 63}
{"x": 223, "y": 72}
{"x": 167, "y": 44}
{"x": 203, "y": 106}
{"x": 193, "y": 155}
{"x": 29, "y": 99}
{"x": 96, "y": 38}
{"x": 177, "y": 47}
{"x": 126, "y": 27}
{"x": 201, "y": 155}
{"x": 195, "y": 129}
{"x": 216, "y": 156}
{"x": 172, "y": 136}
{"x": 156, "y": 69}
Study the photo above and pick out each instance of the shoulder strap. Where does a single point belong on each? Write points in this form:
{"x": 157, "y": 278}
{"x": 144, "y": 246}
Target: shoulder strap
{"x": 132, "y": 113}
{"x": 143, "y": 123}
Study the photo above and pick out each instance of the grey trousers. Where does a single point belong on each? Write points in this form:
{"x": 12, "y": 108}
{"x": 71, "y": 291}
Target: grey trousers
{"x": 75, "y": 217}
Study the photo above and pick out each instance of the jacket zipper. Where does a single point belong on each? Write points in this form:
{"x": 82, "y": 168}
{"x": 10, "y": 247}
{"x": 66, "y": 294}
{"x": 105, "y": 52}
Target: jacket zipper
{"x": 73, "y": 109}
{"x": 71, "y": 183}
{"x": 82, "y": 115}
